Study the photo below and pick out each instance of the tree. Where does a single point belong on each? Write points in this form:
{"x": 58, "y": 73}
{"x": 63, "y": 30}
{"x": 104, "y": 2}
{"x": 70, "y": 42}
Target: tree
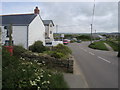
{"x": 10, "y": 35}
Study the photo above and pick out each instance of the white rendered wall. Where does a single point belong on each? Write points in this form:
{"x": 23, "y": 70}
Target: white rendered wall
{"x": 51, "y": 34}
{"x": 19, "y": 35}
{"x": 47, "y": 31}
{"x": 36, "y": 31}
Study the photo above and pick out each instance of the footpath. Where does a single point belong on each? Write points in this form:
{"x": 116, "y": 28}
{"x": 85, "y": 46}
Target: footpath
{"x": 109, "y": 47}
{"x": 75, "y": 79}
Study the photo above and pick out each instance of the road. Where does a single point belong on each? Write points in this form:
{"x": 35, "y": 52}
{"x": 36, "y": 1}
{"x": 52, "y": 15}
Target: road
{"x": 100, "y": 68}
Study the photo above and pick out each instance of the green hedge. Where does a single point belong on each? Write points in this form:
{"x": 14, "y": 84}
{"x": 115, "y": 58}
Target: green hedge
{"x": 62, "y": 49}
{"x": 38, "y": 47}
{"x": 18, "y": 50}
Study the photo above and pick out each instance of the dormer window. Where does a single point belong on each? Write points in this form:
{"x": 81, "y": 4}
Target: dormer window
{"x": 50, "y": 32}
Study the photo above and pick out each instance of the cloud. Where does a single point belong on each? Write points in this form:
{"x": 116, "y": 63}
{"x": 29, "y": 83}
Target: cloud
{"x": 74, "y": 17}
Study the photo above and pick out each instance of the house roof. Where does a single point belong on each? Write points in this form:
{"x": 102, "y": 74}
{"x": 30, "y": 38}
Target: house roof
{"x": 17, "y": 19}
{"x": 47, "y": 22}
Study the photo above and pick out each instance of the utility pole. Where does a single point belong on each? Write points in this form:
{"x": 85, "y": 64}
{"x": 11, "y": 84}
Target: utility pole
{"x": 91, "y": 34}
{"x": 56, "y": 28}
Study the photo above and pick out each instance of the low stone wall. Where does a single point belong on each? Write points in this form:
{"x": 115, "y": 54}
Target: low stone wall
{"x": 65, "y": 65}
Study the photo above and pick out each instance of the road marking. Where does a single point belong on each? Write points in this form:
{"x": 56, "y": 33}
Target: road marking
{"x": 84, "y": 49}
{"x": 91, "y": 53}
{"x": 104, "y": 59}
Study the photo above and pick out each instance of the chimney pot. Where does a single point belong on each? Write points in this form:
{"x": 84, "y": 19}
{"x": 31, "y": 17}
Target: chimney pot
{"x": 36, "y": 10}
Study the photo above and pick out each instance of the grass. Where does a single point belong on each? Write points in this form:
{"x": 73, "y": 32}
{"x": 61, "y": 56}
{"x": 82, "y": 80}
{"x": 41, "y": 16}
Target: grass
{"x": 98, "y": 45}
{"x": 113, "y": 45}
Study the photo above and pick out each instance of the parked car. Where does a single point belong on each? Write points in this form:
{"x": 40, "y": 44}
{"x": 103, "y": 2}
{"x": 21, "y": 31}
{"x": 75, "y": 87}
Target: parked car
{"x": 78, "y": 41}
{"x": 65, "y": 41}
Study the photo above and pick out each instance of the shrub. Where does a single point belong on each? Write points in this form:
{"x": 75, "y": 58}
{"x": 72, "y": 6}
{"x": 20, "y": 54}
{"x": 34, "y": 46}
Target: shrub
{"x": 57, "y": 55}
{"x": 18, "y": 50}
{"x": 38, "y": 47}
{"x": 62, "y": 49}
{"x": 23, "y": 74}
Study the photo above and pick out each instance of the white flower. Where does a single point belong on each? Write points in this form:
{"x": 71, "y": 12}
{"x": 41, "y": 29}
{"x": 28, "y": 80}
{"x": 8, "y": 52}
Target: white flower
{"x": 44, "y": 82}
{"x": 33, "y": 83}
{"x": 49, "y": 75}
{"x": 23, "y": 70}
{"x": 20, "y": 57}
{"x": 43, "y": 61}
{"x": 48, "y": 82}
{"x": 37, "y": 80}
{"x": 39, "y": 63}
{"x": 23, "y": 58}
{"x": 38, "y": 88}
{"x": 38, "y": 77}
{"x": 41, "y": 76}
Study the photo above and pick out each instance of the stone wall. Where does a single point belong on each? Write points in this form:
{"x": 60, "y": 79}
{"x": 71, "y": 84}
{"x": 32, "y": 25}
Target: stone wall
{"x": 65, "y": 65}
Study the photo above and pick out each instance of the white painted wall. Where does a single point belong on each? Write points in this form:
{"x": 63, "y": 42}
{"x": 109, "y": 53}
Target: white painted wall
{"x": 36, "y": 31}
{"x": 19, "y": 35}
{"x": 48, "y": 29}
{"x": 51, "y": 34}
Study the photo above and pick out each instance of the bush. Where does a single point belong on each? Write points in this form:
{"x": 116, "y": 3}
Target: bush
{"x": 19, "y": 74}
{"x": 18, "y": 50}
{"x": 62, "y": 49}
{"x": 38, "y": 47}
{"x": 57, "y": 55}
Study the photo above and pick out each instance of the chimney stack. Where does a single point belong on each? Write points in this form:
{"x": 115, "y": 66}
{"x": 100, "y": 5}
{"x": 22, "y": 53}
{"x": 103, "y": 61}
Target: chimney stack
{"x": 36, "y": 10}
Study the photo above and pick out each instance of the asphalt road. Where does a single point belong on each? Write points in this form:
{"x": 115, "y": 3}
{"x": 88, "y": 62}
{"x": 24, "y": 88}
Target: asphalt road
{"x": 100, "y": 68}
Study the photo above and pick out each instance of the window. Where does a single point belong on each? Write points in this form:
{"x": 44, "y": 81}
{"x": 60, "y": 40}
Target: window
{"x": 50, "y": 32}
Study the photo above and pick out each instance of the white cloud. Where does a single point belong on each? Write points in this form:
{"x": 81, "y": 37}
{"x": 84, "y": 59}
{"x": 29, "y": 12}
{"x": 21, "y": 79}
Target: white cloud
{"x": 75, "y": 16}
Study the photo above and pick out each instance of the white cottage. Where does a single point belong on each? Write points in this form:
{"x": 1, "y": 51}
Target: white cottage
{"x": 27, "y": 28}
{"x": 49, "y": 27}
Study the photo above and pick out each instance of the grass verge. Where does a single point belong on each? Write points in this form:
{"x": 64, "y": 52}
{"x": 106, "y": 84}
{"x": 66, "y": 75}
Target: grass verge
{"x": 98, "y": 45}
{"x": 113, "y": 45}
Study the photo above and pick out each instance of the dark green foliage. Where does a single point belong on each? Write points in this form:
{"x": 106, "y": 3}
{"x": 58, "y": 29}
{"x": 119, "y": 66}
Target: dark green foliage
{"x": 59, "y": 51}
{"x": 62, "y": 49}
{"x": 57, "y": 54}
{"x": 18, "y": 73}
{"x": 38, "y": 47}
{"x": 83, "y": 37}
{"x": 18, "y": 50}
{"x": 113, "y": 45}
{"x": 98, "y": 45}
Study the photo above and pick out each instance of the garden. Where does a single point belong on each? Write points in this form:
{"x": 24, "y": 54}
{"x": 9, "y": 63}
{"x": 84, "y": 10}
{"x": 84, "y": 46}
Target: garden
{"x": 18, "y": 72}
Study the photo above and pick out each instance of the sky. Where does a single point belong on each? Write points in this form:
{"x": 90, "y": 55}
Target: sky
{"x": 71, "y": 17}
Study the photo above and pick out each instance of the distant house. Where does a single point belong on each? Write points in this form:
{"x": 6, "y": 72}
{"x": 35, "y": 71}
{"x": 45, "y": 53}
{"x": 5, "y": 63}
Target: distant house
{"x": 27, "y": 28}
{"x": 49, "y": 27}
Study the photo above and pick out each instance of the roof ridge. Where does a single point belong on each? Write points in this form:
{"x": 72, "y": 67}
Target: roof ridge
{"x": 17, "y": 14}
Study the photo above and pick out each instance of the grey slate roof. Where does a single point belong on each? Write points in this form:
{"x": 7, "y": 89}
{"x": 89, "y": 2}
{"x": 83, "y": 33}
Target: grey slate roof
{"x": 17, "y": 19}
{"x": 47, "y": 22}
